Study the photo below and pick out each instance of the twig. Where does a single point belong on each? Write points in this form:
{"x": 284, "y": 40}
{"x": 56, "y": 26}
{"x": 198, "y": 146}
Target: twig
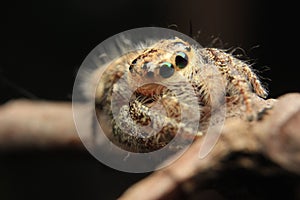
{"x": 276, "y": 136}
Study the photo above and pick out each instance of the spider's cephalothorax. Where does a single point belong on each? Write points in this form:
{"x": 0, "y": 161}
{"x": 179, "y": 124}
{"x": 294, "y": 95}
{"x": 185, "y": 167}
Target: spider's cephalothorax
{"x": 165, "y": 58}
{"x": 164, "y": 62}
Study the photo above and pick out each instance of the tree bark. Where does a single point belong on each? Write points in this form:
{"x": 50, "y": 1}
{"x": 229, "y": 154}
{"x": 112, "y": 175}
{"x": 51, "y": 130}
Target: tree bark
{"x": 265, "y": 149}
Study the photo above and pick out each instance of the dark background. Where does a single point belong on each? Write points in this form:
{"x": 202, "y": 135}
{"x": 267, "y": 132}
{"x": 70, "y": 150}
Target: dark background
{"x": 43, "y": 43}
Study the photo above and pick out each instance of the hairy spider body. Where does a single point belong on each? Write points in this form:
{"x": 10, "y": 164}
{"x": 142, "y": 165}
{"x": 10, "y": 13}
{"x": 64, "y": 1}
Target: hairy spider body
{"x": 157, "y": 107}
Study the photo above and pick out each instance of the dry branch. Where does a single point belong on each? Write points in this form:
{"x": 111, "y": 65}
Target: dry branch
{"x": 267, "y": 147}
{"x": 41, "y": 124}
{"x": 256, "y": 147}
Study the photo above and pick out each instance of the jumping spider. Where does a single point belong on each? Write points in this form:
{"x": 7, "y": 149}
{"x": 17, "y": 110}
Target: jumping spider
{"x": 161, "y": 62}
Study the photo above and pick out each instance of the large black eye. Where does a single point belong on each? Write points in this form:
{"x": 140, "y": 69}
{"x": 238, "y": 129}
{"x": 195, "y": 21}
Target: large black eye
{"x": 166, "y": 69}
{"x": 181, "y": 60}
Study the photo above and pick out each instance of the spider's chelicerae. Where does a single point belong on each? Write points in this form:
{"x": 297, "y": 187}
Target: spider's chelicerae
{"x": 160, "y": 62}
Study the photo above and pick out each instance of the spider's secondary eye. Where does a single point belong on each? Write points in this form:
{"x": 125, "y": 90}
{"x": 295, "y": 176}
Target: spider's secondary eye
{"x": 134, "y": 61}
{"x": 131, "y": 65}
{"x": 181, "y": 60}
{"x": 130, "y": 68}
{"x": 166, "y": 69}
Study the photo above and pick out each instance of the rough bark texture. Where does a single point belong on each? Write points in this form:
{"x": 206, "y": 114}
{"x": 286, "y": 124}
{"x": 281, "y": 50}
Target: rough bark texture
{"x": 255, "y": 160}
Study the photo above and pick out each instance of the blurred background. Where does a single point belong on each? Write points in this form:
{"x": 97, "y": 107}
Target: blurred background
{"x": 43, "y": 43}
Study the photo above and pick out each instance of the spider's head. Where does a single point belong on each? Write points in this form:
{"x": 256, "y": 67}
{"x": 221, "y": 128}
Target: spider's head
{"x": 160, "y": 61}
